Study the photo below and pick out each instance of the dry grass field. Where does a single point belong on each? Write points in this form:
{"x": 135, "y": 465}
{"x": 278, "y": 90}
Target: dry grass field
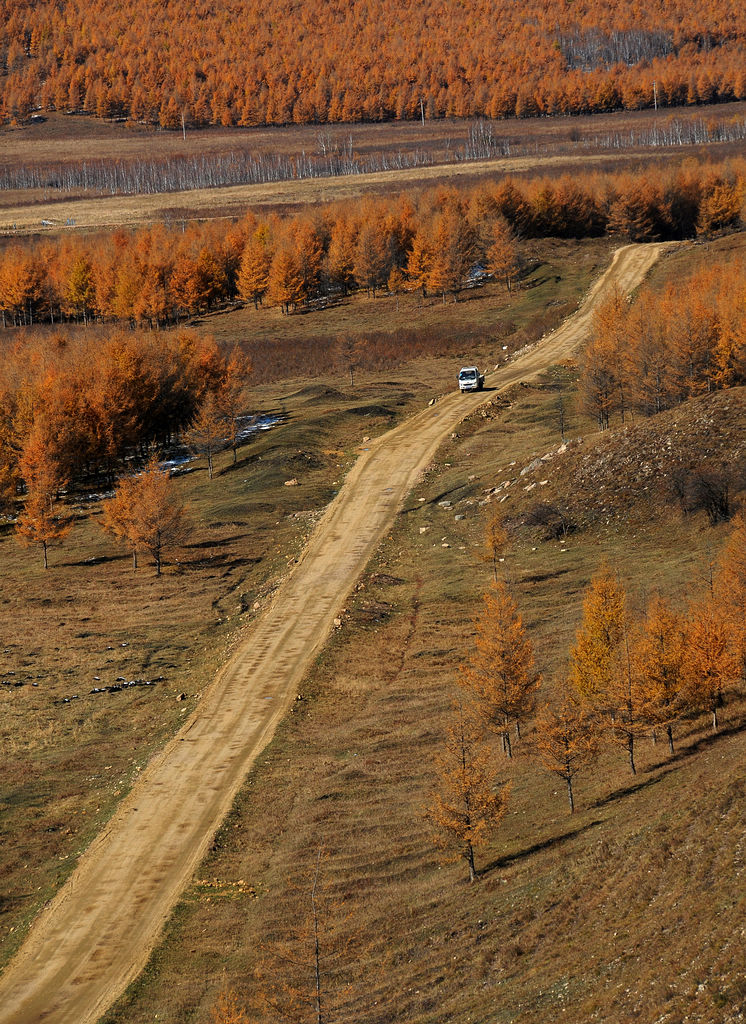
{"x": 630, "y": 910}
{"x": 89, "y": 620}
{"x": 551, "y": 146}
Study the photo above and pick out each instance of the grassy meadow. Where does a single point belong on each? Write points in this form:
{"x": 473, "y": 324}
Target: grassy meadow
{"x": 632, "y": 909}
{"x": 89, "y": 621}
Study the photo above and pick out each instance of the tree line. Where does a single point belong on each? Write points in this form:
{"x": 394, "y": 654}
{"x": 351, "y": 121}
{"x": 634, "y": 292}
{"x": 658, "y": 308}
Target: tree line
{"x": 429, "y": 242}
{"x": 667, "y": 346}
{"x": 202, "y": 63}
{"x": 630, "y": 677}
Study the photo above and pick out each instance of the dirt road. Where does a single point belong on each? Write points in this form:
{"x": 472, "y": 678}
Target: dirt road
{"x": 96, "y": 935}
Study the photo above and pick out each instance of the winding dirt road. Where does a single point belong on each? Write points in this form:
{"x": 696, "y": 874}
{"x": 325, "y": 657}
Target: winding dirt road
{"x": 96, "y": 935}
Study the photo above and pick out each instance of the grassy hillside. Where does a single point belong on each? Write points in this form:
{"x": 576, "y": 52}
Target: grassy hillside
{"x": 630, "y": 910}
{"x": 89, "y": 620}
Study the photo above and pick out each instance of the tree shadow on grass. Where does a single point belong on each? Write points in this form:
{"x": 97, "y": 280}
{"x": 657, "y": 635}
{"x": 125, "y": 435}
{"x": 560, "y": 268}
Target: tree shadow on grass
{"x": 545, "y": 844}
{"x": 683, "y": 753}
{"x": 634, "y": 787}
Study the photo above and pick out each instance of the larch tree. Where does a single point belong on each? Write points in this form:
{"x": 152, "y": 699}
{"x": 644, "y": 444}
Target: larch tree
{"x": 370, "y": 265}
{"x": 566, "y": 741}
{"x": 396, "y": 284}
{"x": 730, "y": 586}
{"x": 496, "y": 538}
{"x": 500, "y": 674}
{"x": 120, "y": 515}
{"x": 419, "y": 261}
{"x": 285, "y": 286}
{"x": 228, "y": 1009}
{"x": 609, "y": 345}
{"x": 711, "y": 660}
{"x": 630, "y": 702}
{"x": 347, "y": 351}
{"x": 207, "y": 432}
{"x": 231, "y": 396}
{"x": 152, "y": 518}
{"x": 341, "y": 253}
{"x": 466, "y": 806}
{"x": 304, "y": 973}
{"x": 253, "y": 271}
{"x": 595, "y": 657}
{"x": 39, "y": 523}
{"x": 658, "y": 658}
{"x": 501, "y": 252}
{"x": 453, "y": 252}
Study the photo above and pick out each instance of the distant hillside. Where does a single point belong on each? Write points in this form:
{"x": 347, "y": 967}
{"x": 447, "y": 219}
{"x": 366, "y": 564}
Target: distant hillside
{"x": 244, "y": 63}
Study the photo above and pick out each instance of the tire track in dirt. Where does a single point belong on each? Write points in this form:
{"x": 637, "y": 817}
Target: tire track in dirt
{"x": 95, "y": 937}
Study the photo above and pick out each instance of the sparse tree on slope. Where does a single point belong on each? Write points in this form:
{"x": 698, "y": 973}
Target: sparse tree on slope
{"x": 566, "y": 741}
{"x": 711, "y": 659}
{"x": 501, "y": 673}
{"x": 303, "y": 973}
{"x": 39, "y": 523}
{"x": 496, "y": 537}
{"x": 594, "y": 660}
{"x": 730, "y": 586}
{"x": 466, "y": 808}
{"x": 658, "y": 657}
{"x": 231, "y": 396}
{"x": 149, "y": 515}
{"x": 228, "y": 1010}
{"x": 206, "y": 435}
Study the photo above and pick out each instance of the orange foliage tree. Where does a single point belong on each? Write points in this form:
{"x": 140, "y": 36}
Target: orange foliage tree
{"x": 466, "y": 807}
{"x": 500, "y": 672}
{"x": 147, "y": 514}
{"x": 566, "y": 741}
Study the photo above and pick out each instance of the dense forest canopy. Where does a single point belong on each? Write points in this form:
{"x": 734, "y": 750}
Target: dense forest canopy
{"x": 244, "y": 63}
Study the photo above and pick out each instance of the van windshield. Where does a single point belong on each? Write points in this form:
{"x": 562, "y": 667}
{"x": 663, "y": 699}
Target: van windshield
{"x": 467, "y": 375}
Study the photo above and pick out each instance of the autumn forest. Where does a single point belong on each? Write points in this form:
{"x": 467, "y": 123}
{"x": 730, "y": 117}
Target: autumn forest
{"x": 240, "y": 64}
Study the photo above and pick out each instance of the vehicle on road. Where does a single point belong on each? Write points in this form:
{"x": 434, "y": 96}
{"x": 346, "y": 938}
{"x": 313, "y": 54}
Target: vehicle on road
{"x": 470, "y": 379}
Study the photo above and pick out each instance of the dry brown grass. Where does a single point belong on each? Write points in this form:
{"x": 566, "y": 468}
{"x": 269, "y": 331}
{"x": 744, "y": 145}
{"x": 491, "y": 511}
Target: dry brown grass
{"x": 595, "y": 916}
{"x": 556, "y": 145}
{"x": 631, "y": 910}
{"x": 67, "y": 764}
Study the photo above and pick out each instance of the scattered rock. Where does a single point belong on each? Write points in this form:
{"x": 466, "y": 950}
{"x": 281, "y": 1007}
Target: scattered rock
{"x": 530, "y": 467}
{"x": 182, "y": 696}
{"x": 459, "y": 517}
{"x": 291, "y": 483}
{"x": 444, "y": 504}
{"x": 424, "y": 529}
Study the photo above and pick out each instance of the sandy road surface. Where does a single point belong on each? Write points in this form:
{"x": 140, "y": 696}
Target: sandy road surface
{"x": 105, "y": 212}
{"x": 96, "y": 935}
